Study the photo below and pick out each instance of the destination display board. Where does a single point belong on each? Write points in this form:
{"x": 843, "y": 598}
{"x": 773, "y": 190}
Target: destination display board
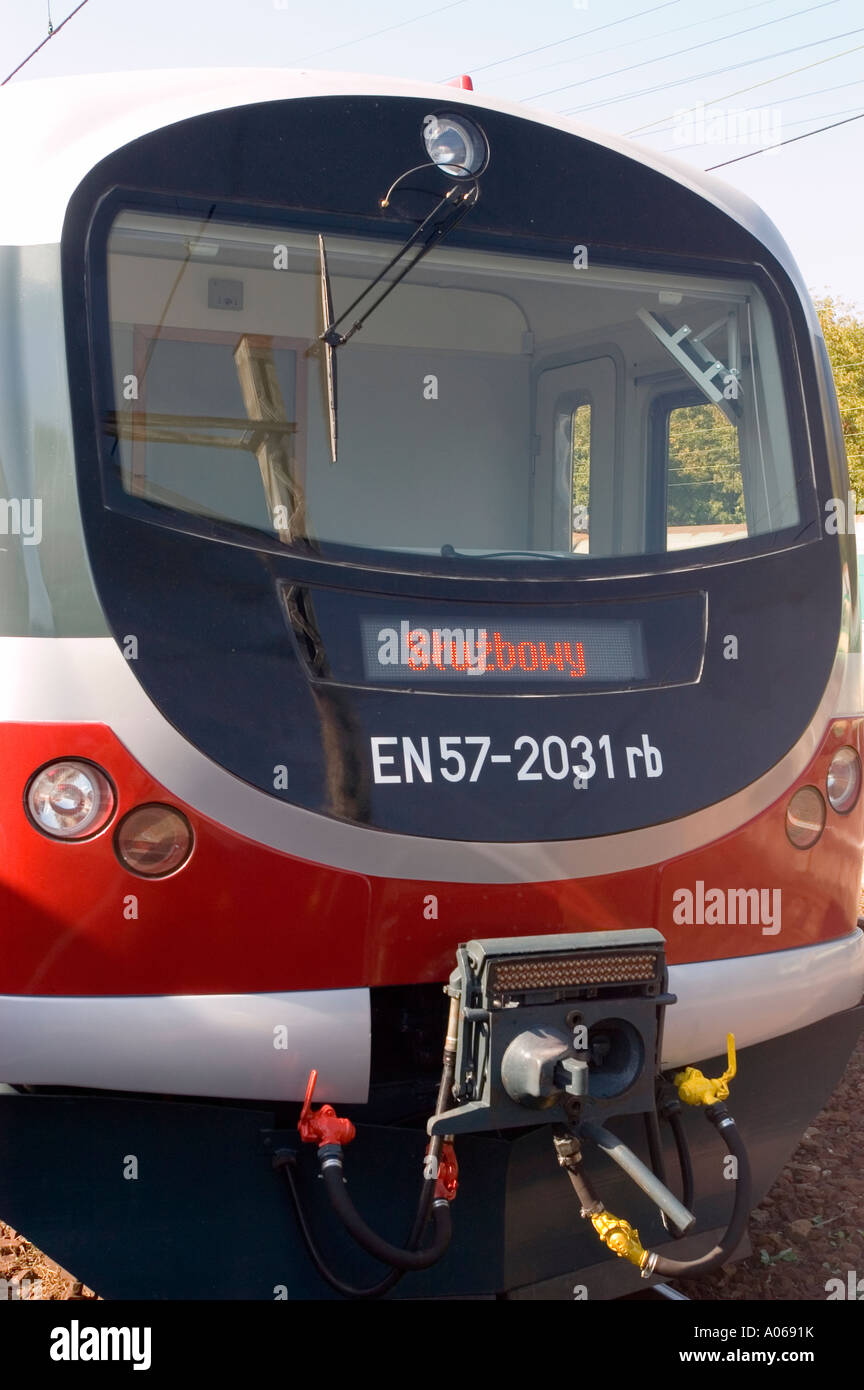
{"x": 472, "y": 650}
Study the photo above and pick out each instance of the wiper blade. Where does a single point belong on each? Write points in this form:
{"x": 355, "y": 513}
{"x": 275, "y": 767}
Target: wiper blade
{"x": 329, "y": 352}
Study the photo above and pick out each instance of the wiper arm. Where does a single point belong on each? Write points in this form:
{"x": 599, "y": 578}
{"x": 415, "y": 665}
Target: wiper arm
{"x": 457, "y": 202}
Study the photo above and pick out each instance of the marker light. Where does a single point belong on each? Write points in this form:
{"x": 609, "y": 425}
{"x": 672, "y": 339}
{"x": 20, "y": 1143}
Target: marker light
{"x": 153, "y": 841}
{"x": 805, "y": 817}
{"x": 456, "y": 145}
{"x": 843, "y": 782}
{"x": 70, "y": 800}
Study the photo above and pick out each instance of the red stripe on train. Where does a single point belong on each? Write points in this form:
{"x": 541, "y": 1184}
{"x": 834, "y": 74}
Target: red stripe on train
{"x": 243, "y": 918}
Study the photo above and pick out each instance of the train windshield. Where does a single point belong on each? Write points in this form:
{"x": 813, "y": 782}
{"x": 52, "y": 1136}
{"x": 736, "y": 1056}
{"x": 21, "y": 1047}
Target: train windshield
{"x": 495, "y": 405}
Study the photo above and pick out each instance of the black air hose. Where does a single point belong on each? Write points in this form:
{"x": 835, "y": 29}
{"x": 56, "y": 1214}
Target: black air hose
{"x": 330, "y": 1159}
{"x": 731, "y": 1239}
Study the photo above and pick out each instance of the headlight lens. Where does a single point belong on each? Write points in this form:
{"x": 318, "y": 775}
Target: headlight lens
{"x": 456, "y": 145}
{"x": 153, "y": 841}
{"x": 843, "y": 782}
{"x": 805, "y": 817}
{"x": 70, "y": 800}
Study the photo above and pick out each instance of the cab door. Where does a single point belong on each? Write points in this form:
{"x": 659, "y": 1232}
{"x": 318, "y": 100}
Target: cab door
{"x": 574, "y": 465}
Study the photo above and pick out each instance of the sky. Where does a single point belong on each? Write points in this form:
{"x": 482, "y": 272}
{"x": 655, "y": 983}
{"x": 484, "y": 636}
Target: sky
{"x": 750, "y": 75}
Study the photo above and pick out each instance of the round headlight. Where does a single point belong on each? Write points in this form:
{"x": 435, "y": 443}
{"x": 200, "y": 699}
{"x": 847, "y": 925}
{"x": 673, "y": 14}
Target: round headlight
{"x": 805, "y": 817}
{"x": 843, "y": 782}
{"x": 456, "y": 145}
{"x": 153, "y": 841}
{"x": 70, "y": 800}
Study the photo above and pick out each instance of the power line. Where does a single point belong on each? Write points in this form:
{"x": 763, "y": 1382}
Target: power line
{"x": 788, "y": 125}
{"x": 646, "y": 62}
{"x": 679, "y": 29}
{"x": 794, "y": 140}
{"x": 527, "y": 53}
{"x": 51, "y": 34}
{"x": 766, "y": 82}
{"x": 787, "y": 101}
{"x": 378, "y": 32}
{"x": 715, "y": 72}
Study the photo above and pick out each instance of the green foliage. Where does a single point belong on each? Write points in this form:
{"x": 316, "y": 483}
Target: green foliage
{"x": 581, "y": 454}
{"x": 843, "y": 328}
{"x": 704, "y": 480}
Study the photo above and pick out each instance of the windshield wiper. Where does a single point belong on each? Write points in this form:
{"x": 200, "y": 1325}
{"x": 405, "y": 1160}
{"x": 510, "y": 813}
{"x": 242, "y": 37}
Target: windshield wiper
{"x": 457, "y": 201}
{"x": 329, "y": 352}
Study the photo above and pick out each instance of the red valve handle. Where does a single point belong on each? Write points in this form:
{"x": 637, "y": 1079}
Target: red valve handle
{"x": 322, "y": 1126}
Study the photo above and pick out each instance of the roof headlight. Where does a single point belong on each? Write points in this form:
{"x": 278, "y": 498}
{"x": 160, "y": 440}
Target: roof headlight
{"x": 456, "y": 145}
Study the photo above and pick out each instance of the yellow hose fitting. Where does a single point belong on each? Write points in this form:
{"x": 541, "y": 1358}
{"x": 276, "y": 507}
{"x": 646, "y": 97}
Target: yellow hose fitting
{"x": 621, "y": 1238}
{"x": 696, "y": 1089}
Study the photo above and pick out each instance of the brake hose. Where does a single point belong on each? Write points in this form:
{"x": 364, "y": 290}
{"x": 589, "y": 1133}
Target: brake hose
{"x": 622, "y": 1238}
{"x": 731, "y": 1239}
{"x": 330, "y": 1157}
{"x": 669, "y": 1107}
{"x": 286, "y": 1160}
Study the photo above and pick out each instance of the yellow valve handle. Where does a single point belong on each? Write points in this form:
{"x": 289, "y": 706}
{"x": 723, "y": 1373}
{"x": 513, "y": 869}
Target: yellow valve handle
{"x": 621, "y": 1238}
{"x": 696, "y": 1089}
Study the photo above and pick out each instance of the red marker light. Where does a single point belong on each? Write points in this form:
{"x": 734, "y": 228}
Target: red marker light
{"x": 464, "y": 81}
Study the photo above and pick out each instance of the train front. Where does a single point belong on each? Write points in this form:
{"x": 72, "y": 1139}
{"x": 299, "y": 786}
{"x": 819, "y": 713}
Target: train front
{"x": 462, "y": 595}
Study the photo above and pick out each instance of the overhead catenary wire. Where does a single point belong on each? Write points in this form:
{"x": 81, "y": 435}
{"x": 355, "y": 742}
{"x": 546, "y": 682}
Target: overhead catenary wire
{"x": 52, "y": 33}
{"x": 740, "y": 91}
{"x": 787, "y": 101}
{"x": 758, "y": 111}
{"x": 793, "y": 141}
{"x": 714, "y": 72}
{"x": 680, "y": 52}
{"x": 643, "y": 39}
{"x": 528, "y": 52}
{"x": 348, "y": 43}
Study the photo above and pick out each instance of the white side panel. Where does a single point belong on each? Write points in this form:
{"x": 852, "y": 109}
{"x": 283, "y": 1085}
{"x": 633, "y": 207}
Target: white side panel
{"x": 759, "y": 997}
{"x": 223, "y": 1044}
{"x": 193, "y": 1044}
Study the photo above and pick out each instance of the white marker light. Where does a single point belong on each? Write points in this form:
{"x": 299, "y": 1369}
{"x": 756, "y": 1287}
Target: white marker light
{"x": 843, "y": 782}
{"x": 456, "y": 145}
{"x": 70, "y": 800}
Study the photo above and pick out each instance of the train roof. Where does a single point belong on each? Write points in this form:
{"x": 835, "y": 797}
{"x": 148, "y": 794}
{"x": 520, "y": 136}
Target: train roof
{"x": 54, "y": 130}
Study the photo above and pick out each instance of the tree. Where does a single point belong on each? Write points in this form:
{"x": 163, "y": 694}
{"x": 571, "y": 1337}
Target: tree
{"x": 843, "y": 328}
